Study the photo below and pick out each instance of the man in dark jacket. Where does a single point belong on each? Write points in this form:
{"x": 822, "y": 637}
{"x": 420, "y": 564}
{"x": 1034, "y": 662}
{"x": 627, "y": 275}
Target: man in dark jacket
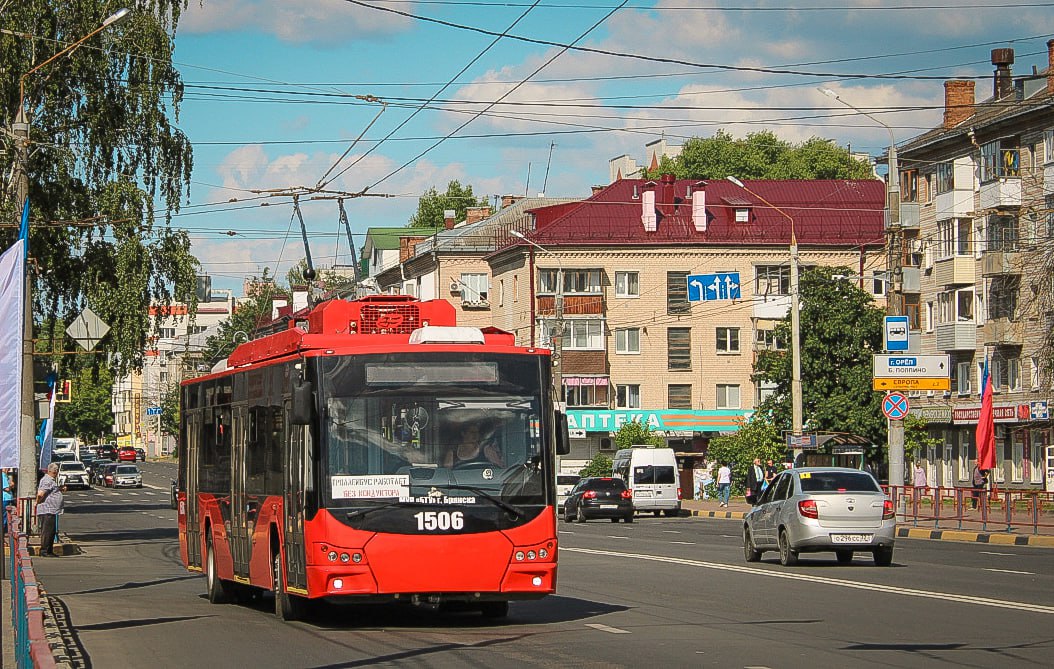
{"x": 755, "y": 477}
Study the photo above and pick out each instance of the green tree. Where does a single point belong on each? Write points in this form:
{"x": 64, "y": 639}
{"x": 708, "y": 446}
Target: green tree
{"x": 917, "y": 437}
{"x": 88, "y": 414}
{"x": 432, "y": 204}
{"x": 762, "y": 155}
{"x": 841, "y": 329}
{"x": 170, "y": 409}
{"x": 241, "y": 325}
{"x": 103, "y": 150}
{"x": 600, "y": 465}
{"x": 756, "y": 438}
{"x": 636, "y": 433}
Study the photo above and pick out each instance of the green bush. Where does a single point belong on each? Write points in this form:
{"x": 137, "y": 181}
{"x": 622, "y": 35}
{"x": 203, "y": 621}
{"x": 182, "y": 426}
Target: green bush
{"x": 756, "y": 438}
{"x": 600, "y": 465}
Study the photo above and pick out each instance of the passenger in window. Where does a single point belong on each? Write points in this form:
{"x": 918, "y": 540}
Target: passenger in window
{"x": 475, "y": 445}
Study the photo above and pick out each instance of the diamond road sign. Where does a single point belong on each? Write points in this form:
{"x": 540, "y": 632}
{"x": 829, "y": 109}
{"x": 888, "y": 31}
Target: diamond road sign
{"x": 707, "y": 287}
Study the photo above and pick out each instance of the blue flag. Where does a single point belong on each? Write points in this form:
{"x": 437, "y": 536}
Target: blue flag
{"x": 23, "y": 230}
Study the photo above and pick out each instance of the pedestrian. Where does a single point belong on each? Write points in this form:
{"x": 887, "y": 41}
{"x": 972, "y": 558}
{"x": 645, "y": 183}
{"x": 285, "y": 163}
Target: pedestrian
{"x": 755, "y": 477}
{"x": 919, "y": 476}
{"x": 49, "y": 505}
{"x": 770, "y": 473}
{"x": 724, "y": 483}
{"x": 980, "y": 482}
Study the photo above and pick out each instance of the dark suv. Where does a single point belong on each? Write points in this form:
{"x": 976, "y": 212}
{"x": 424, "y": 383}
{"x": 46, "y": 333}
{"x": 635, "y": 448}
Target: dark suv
{"x": 599, "y": 497}
{"x": 106, "y": 452}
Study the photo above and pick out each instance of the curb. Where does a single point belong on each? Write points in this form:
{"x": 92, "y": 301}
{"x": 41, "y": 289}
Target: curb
{"x": 54, "y": 635}
{"x": 735, "y": 515}
{"x": 977, "y": 537}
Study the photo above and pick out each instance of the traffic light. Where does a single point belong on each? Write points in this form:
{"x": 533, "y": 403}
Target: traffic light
{"x": 64, "y": 390}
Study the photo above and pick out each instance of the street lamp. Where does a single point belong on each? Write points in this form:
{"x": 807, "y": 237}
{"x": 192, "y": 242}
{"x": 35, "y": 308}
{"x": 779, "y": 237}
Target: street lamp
{"x": 557, "y": 333}
{"x": 27, "y": 468}
{"x": 796, "y": 401}
{"x": 894, "y": 305}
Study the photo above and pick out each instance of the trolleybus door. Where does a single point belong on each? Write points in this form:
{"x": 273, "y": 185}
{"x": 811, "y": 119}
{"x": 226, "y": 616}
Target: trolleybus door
{"x": 240, "y": 529}
{"x": 296, "y": 472}
{"x": 192, "y": 425}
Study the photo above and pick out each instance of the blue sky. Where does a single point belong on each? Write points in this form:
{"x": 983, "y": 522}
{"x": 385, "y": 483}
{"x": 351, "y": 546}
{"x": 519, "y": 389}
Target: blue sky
{"x": 270, "y": 96}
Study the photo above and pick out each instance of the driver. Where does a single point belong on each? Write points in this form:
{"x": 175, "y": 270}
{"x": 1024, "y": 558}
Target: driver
{"x": 473, "y": 448}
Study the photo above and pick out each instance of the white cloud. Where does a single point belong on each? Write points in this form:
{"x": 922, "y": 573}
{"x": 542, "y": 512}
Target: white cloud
{"x": 317, "y": 21}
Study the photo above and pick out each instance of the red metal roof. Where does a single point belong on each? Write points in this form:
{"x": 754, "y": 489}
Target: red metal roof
{"x": 825, "y": 213}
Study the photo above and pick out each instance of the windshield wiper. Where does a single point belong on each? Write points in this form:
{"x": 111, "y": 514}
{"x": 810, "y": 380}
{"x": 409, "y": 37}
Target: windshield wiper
{"x": 516, "y": 512}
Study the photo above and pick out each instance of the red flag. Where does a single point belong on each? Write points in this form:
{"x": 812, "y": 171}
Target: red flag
{"x": 986, "y": 424}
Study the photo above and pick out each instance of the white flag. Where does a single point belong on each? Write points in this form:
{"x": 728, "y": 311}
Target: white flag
{"x": 12, "y": 299}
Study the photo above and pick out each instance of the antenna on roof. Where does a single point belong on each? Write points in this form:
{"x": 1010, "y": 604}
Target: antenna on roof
{"x": 545, "y": 181}
{"x": 527, "y": 186}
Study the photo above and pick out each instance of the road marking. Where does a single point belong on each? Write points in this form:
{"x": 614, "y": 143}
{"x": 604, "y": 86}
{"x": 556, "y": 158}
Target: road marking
{"x": 605, "y": 628}
{"x": 671, "y": 531}
{"x": 836, "y": 582}
{"x": 1010, "y": 571}
{"x": 731, "y": 536}
{"x": 612, "y": 536}
{"x": 1004, "y": 554}
{"x": 683, "y": 543}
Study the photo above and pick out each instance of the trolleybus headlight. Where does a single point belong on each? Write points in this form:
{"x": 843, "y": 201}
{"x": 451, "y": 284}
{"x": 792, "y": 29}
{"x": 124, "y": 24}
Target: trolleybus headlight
{"x": 519, "y": 555}
{"x": 542, "y": 553}
{"x": 530, "y": 555}
{"x": 356, "y": 558}
{"x": 344, "y": 557}
{"x": 537, "y": 580}
{"x": 338, "y": 583}
{"x": 332, "y": 556}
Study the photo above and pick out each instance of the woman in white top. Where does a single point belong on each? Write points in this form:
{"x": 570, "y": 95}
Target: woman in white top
{"x": 724, "y": 483}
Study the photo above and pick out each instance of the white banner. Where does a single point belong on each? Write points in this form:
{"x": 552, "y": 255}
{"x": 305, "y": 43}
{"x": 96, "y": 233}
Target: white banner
{"x": 12, "y": 299}
{"x": 47, "y": 435}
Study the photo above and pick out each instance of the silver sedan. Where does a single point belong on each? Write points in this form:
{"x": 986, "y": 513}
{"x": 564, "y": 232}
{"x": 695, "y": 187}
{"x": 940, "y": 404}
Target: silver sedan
{"x": 817, "y": 509}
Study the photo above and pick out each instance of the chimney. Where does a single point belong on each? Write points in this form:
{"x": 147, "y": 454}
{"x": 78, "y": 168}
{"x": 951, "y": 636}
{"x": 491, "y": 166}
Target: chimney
{"x": 509, "y": 200}
{"x": 1003, "y": 81}
{"x": 958, "y": 102}
{"x": 665, "y": 197}
{"x": 647, "y": 208}
{"x": 1050, "y": 67}
{"x": 448, "y": 218}
{"x": 476, "y": 214}
{"x": 698, "y": 197}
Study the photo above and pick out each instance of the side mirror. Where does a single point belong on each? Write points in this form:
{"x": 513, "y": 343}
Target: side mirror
{"x": 303, "y": 403}
{"x": 563, "y": 442}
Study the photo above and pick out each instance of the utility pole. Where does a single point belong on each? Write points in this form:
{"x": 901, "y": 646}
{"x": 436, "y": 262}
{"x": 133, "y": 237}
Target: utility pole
{"x": 27, "y": 453}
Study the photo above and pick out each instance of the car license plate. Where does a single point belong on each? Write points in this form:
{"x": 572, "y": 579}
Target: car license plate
{"x": 609, "y": 506}
{"x": 851, "y": 538}
{"x": 643, "y": 493}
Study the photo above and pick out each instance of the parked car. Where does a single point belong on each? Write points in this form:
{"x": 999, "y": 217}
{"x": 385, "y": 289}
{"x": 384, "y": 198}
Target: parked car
{"x": 141, "y": 454}
{"x": 599, "y": 497}
{"x": 817, "y": 509}
{"x": 107, "y": 451}
{"x": 564, "y": 484}
{"x": 127, "y": 454}
{"x": 95, "y": 469}
{"x": 107, "y": 474}
{"x": 63, "y": 456}
{"x": 72, "y": 474}
{"x": 126, "y": 476}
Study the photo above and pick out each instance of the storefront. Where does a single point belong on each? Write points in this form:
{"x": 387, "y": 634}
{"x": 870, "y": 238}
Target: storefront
{"x": 592, "y": 431}
{"x": 1022, "y": 434}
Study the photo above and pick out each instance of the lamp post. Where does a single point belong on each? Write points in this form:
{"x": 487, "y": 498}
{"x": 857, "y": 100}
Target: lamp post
{"x": 557, "y": 332}
{"x": 27, "y": 467}
{"x": 895, "y": 257}
{"x": 796, "y": 400}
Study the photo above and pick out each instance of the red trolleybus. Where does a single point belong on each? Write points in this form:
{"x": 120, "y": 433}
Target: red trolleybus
{"x": 373, "y": 452}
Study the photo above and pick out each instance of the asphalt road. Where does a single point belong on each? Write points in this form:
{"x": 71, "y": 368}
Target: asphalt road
{"x": 669, "y": 592}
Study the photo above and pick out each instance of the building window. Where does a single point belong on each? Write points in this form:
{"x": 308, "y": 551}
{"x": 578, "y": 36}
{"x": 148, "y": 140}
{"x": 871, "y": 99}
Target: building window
{"x": 909, "y": 186}
{"x": 1048, "y": 146}
{"x": 945, "y": 239}
{"x": 765, "y": 389}
{"x": 728, "y": 340}
{"x": 1002, "y": 233}
{"x": 582, "y": 395}
{"x": 501, "y": 292}
{"x": 576, "y": 281}
{"x": 964, "y": 237}
{"x": 1002, "y": 297}
{"x": 727, "y": 396}
{"x": 912, "y": 309}
{"x": 1017, "y": 457}
{"x": 945, "y": 177}
{"x": 164, "y": 377}
{"x": 679, "y": 396}
{"x": 677, "y": 293}
{"x": 766, "y": 340}
{"x": 742, "y": 215}
{"x": 627, "y": 284}
{"x": 167, "y": 333}
{"x": 955, "y": 306}
{"x": 679, "y": 348}
{"x": 628, "y": 396}
{"x": 474, "y": 288}
{"x": 584, "y": 335}
{"x": 962, "y": 378}
{"x": 1034, "y": 372}
{"x": 929, "y": 317}
{"x": 878, "y": 283}
{"x": 771, "y": 280}
{"x": 627, "y": 340}
{"x": 999, "y": 160}
{"x": 1006, "y": 374}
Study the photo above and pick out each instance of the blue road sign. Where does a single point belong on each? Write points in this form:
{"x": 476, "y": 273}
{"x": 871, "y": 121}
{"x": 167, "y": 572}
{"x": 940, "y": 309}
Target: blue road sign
{"x": 895, "y": 406}
{"x": 896, "y": 333}
{"x": 707, "y": 287}
{"x": 153, "y": 411}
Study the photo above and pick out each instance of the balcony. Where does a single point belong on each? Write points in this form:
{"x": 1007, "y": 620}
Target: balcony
{"x": 910, "y": 216}
{"x": 910, "y": 281}
{"x": 994, "y": 263}
{"x": 953, "y": 204}
{"x": 773, "y": 307}
{"x": 954, "y": 271}
{"x": 1003, "y": 332}
{"x": 1001, "y": 192}
{"x": 956, "y": 337}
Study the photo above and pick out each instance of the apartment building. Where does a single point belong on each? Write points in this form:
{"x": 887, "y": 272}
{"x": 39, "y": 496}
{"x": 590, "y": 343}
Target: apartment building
{"x": 612, "y": 272}
{"x": 978, "y": 193}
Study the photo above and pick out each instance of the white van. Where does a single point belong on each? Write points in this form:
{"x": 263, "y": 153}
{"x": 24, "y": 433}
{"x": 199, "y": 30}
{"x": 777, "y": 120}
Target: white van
{"x": 651, "y": 474}
{"x": 66, "y": 446}
{"x": 564, "y": 484}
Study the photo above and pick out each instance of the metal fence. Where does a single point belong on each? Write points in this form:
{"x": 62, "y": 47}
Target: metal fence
{"x": 27, "y": 608}
{"x": 1002, "y": 510}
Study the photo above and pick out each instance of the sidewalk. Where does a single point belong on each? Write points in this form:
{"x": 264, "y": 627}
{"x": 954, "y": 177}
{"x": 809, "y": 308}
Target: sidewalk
{"x": 970, "y": 529}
